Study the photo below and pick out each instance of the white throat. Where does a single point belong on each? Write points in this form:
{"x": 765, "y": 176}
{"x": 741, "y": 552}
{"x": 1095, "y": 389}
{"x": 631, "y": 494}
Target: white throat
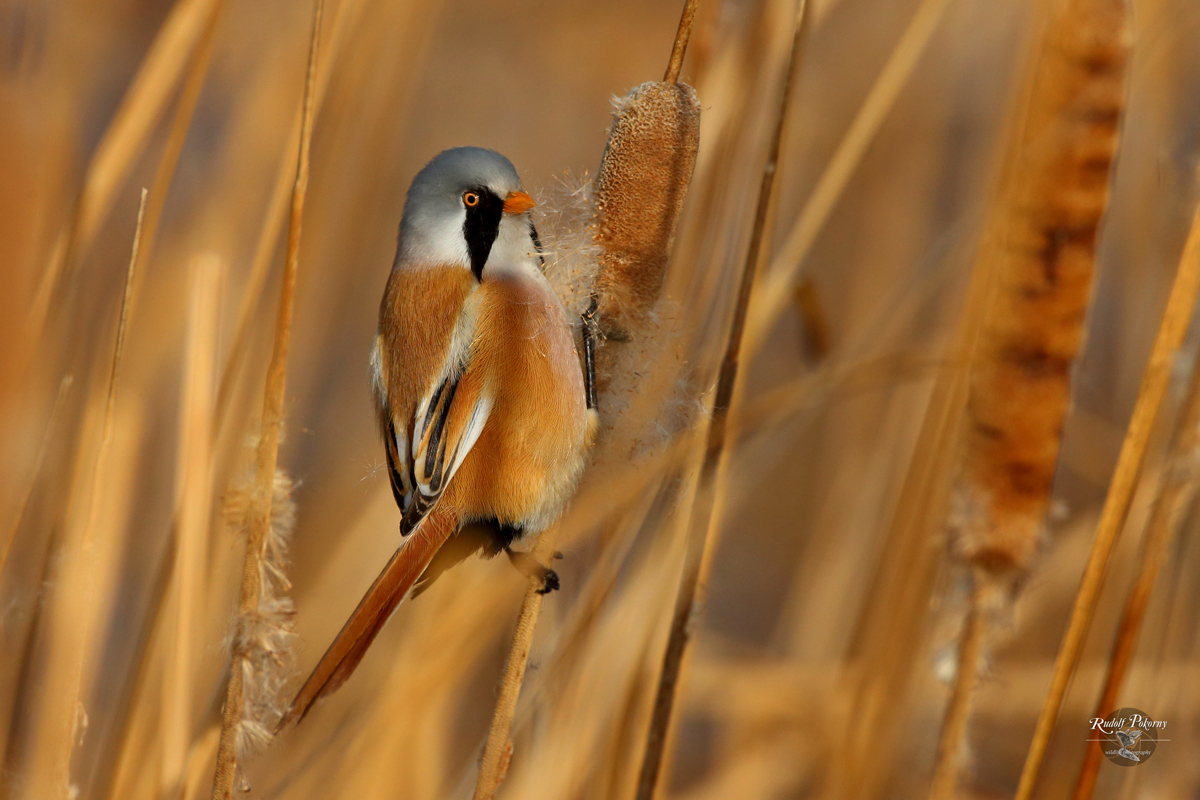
{"x": 513, "y": 248}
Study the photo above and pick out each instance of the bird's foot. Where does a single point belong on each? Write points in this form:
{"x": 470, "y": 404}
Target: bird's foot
{"x": 534, "y": 570}
{"x": 549, "y": 581}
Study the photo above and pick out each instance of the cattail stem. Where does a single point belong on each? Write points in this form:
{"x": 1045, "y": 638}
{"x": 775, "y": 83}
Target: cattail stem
{"x": 497, "y": 751}
{"x": 681, "y": 41}
{"x": 1157, "y": 376}
{"x": 706, "y": 515}
{"x": 1177, "y": 491}
{"x": 266, "y": 459}
{"x": 958, "y": 710}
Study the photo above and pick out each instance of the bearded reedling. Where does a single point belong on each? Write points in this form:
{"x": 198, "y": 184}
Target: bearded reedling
{"x": 479, "y": 392}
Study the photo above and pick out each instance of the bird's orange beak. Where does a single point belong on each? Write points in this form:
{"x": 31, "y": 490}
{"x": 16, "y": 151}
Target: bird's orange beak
{"x": 518, "y": 203}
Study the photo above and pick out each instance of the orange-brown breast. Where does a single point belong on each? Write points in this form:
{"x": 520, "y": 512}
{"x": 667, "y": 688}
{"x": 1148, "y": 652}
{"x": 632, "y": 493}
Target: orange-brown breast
{"x": 527, "y": 460}
{"x": 529, "y": 456}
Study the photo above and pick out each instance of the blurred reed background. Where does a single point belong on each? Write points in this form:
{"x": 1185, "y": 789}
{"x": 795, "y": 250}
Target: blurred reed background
{"x": 824, "y": 659}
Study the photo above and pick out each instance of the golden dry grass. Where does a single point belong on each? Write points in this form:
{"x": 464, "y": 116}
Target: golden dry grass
{"x": 822, "y": 660}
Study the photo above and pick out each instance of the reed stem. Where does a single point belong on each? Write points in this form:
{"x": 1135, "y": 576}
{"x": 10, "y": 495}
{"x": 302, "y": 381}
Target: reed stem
{"x": 698, "y": 557}
{"x": 60, "y": 399}
{"x": 1177, "y": 491}
{"x": 780, "y": 274}
{"x": 259, "y": 514}
{"x": 72, "y": 622}
{"x": 122, "y": 143}
{"x": 497, "y": 751}
{"x": 1157, "y": 376}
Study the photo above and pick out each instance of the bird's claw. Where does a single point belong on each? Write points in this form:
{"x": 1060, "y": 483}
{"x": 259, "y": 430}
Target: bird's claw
{"x": 549, "y": 582}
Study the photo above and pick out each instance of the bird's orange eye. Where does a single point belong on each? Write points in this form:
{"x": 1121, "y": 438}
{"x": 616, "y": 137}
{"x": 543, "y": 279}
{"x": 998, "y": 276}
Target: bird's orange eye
{"x": 470, "y": 199}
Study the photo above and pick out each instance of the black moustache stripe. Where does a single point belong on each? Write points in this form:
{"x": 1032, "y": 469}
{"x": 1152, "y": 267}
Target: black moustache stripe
{"x": 481, "y": 227}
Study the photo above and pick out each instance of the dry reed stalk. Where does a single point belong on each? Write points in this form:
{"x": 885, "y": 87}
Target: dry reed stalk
{"x": 59, "y": 718}
{"x": 345, "y": 16}
{"x": 136, "y": 688}
{"x": 188, "y": 34}
{"x": 1175, "y": 494}
{"x": 890, "y": 633}
{"x": 586, "y": 510}
{"x": 195, "y": 485}
{"x": 603, "y": 576}
{"x": 655, "y": 737}
{"x": 194, "y": 508}
{"x": 707, "y": 511}
{"x": 640, "y": 188}
{"x": 615, "y": 659}
{"x": 497, "y": 751}
{"x": 123, "y": 142}
{"x": 1043, "y": 244}
{"x": 138, "y": 728}
{"x": 181, "y": 123}
{"x": 259, "y": 513}
{"x": 422, "y": 684}
{"x": 1155, "y": 380}
{"x": 64, "y": 387}
{"x": 780, "y": 275}
{"x": 200, "y": 755}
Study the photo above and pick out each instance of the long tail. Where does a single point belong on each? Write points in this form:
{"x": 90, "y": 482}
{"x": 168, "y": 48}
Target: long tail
{"x": 392, "y": 585}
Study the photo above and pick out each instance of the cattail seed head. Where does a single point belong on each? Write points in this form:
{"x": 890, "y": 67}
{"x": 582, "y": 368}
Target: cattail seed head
{"x": 1041, "y": 250}
{"x": 640, "y": 189}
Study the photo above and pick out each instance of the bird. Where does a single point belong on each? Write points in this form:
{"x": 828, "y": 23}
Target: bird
{"x": 484, "y": 403}
{"x": 1128, "y": 739}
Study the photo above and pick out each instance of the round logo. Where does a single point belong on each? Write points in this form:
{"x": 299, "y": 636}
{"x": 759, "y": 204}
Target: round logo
{"x": 1128, "y": 736}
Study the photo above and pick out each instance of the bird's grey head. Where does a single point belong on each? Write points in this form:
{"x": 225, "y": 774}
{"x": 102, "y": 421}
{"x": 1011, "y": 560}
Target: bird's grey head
{"x": 466, "y": 207}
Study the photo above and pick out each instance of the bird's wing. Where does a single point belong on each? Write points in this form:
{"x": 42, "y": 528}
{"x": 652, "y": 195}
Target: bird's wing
{"x": 1134, "y": 735}
{"x": 396, "y": 477}
{"x": 447, "y": 424}
{"x": 395, "y": 444}
{"x": 1125, "y": 739}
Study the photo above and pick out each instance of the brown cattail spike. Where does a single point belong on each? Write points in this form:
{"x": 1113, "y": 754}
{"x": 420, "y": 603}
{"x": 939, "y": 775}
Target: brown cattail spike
{"x": 640, "y": 190}
{"x": 1043, "y": 243}
{"x": 1039, "y": 254}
